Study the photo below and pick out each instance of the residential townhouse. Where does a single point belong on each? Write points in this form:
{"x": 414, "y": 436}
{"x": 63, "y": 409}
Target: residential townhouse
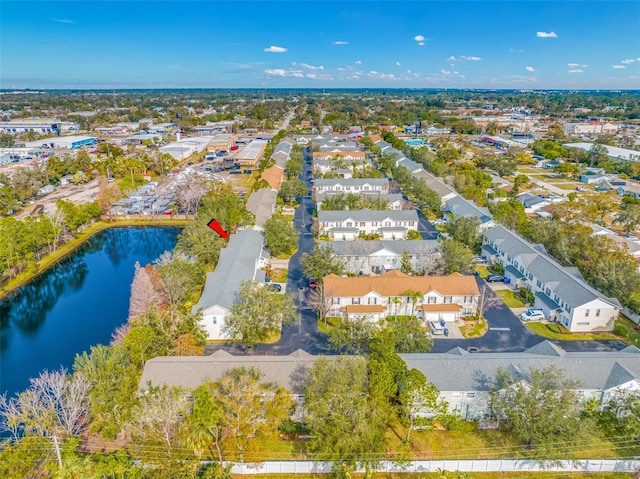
{"x": 341, "y": 166}
{"x": 241, "y": 260}
{"x": 438, "y": 185}
{"x": 350, "y": 185}
{"x": 339, "y": 155}
{"x": 560, "y": 292}
{"x": 465, "y": 379}
{"x": 532, "y": 203}
{"x": 262, "y": 203}
{"x": 395, "y": 201}
{"x": 282, "y": 152}
{"x": 440, "y": 298}
{"x": 377, "y": 257}
{"x": 348, "y": 225}
{"x": 274, "y": 176}
{"x": 458, "y": 207}
{"x": 629, "y": 243}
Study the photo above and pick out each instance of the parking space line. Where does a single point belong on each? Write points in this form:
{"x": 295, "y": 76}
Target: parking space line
{"x": 500, "y": 329}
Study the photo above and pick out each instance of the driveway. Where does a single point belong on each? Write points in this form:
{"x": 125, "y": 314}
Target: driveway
{"x": 304, "y": 334}
{"x": 425, "y": 228}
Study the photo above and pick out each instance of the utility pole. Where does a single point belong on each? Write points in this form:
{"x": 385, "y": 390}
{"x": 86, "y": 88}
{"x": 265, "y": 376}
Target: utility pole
{"x": 56, "y": 446}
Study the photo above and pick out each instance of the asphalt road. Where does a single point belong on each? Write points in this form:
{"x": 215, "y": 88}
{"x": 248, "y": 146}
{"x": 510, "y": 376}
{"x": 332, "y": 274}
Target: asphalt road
{"x": 506, "y": 332}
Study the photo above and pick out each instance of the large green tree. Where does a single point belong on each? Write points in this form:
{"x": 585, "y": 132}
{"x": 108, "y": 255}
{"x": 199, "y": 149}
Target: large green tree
{"x": 259, "y": 312}
{"x": 280, "y": 235}
{"x": 456, "y": 257}
{"x": 321, "y": 262}
{"x": 347, "y": 424}
{"x": 542, "y": 409}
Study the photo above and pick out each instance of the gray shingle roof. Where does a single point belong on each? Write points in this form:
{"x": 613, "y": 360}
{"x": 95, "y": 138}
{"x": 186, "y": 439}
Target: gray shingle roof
{"x": 364, "y": 247}
{"x": 322, "y": 182}
{"x": 368, "y": 215}
{"x": 389, "y": 197}
{"x": 261, "y": 203}
{"x": 436, "y": 184}
{"x": 464, "y": 209}
{"x": 563, "y": 281}
{"x": 238, "y": 262}
{"x": 190, "y": 372}
{"x": 593, "y": 370}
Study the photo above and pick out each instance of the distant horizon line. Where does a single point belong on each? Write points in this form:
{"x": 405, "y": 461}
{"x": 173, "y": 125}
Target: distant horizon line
{"x": 522, "y": 90}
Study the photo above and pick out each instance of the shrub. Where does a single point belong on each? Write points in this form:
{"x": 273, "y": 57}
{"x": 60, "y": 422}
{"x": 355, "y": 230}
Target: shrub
{"x": 620, "y": 331}
{"x": 497, "y": 268}
{"x": 554, "y": 328}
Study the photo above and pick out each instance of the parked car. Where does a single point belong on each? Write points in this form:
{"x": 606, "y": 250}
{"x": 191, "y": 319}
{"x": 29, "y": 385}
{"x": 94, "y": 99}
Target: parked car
{"x": 313, "y": 283}
{"x": 276, "y": 287}
{"x": 532, "y": 315}
{"x": 436, "y": 328}
{"x": 236, "y": 172}
{"x": 479, "y": 260}
{"x": 495, "y": 278}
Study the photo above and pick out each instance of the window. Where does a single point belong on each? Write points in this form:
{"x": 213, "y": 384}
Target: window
{"x": 431, "y": 300}
{"x": 355, "y": 300}
{"x": 362, "y": 224}
{"x": 215, "y": 320}
{"x": 374, "y": 223}
{"x": 387, "y": 224}
{"x": 471, "y": 395}
{"x": 349, "y": 224}
{"x": 447, "y": 299}
{"x": 372, "y": 301}
{"x": 597, "y": 313}
{"x": 583, "y": 323}
{"x": 586, "y": 313}
{"x": 335, "y": 300}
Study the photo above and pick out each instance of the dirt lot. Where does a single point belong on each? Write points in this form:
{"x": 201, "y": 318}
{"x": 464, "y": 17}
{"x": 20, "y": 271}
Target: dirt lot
{"x": 75, "y": 193}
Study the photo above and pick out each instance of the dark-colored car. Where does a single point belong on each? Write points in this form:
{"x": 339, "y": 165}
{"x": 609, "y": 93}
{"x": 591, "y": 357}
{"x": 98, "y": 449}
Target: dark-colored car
{"x": 313, "y": 283}
{"x": 236, "y": 172}
{"x": 276, "y": 287}
{"x": 495, "y": 278}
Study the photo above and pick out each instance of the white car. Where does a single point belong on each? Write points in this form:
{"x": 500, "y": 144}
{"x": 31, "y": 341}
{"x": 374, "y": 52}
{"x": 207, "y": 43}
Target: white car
{"x": 532, "y": 315}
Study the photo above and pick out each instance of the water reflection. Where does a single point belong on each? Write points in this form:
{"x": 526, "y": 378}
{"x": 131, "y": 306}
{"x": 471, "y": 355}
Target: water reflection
{"x": 75, "y": 304}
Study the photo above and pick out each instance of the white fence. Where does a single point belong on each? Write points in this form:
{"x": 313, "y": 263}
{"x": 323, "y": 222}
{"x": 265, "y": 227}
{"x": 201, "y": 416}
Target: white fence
{"x": 481, "y": 465}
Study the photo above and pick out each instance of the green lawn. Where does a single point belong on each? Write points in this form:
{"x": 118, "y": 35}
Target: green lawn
{"x": 482, "y": 270}
{"x": 509, "y": 298}
{"x": 331, "y": 323}
{"x": 454, "y": 475}
{"x": 279, "y": 275}
{"x": 542, "y": 330}
{"x": 566, "y": 186}
{"x": 633, "y": 333}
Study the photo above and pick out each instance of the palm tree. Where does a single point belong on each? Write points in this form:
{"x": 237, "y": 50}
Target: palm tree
{"x": 414, "y": 295}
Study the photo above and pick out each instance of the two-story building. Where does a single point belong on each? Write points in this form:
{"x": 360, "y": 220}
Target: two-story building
{"x": 394, "y": 201}
{"x": 350, "y": 185}
{"x": 458, "y": 207}
{"x": 560, "y": 292}
{"x": 241, "y": 260}
{"x": 349, "y": 225}
{"x": 431, "y": 298}
{"x": 377, "y": 257}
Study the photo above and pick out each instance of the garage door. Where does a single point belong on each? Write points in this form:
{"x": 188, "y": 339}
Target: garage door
{"x": 439, "y": 316}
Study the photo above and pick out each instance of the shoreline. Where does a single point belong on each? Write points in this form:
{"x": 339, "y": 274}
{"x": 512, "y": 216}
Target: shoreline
{"x": 33, "y": 270}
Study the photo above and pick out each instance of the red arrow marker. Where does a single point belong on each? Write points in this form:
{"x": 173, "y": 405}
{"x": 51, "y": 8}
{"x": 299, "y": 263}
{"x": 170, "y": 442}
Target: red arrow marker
{"x": 215, "y": 226}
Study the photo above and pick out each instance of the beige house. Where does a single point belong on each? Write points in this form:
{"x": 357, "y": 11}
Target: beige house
{"x": 437, "y": 298}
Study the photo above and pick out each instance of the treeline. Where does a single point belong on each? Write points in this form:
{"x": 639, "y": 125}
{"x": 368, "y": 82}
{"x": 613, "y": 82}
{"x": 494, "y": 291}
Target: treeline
{"x": 22, "y": 243}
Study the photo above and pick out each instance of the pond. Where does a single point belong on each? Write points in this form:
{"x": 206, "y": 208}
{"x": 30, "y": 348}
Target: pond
{"x": 75, "y": 304}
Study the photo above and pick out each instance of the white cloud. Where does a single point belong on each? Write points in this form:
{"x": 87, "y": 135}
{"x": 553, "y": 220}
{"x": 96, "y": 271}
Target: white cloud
{"x": 452, "y": 58}
{"x": 358, "y": 62}
{"x": 445, "y": 72}
{"x": 340, "y": 43}
{"x": 311, "y": 67}
{"x": 373, "y": 73}
{"x": 576, "y": 65}
{"x": 62, "y": 20}
{"x": 619, "y": 67}
{"x": 530, "y": 69}
{"x": 473, "y": 59}
{"x": 627, "y": 61}
{"x": 274, "y": 49}
{"x": 276, "y": 72}
{"x": 419, "y": 38}
{"x": 421, "y": 44}
{"x": 576, "y": 70}
{"x": 397, "y": 64}
{"x": 546, "y": 35}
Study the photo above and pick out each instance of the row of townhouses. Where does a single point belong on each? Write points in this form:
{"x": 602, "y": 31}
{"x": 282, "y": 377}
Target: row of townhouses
{"x": 349, "y": 225}
{"x": 464, "y": 379}
{"x": 394, "y": 201}
{"x": 559, "y": 291}
{"x": 350, "y": 185}
{"x": 377, "y": 257}
{"x": 430, "y": 298}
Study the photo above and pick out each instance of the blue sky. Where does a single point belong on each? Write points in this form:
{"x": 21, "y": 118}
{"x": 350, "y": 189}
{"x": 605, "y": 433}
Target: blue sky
{"x": 328, "y": 44}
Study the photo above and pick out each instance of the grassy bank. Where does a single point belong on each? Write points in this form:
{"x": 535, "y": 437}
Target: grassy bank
{"x": 64, "y": 250}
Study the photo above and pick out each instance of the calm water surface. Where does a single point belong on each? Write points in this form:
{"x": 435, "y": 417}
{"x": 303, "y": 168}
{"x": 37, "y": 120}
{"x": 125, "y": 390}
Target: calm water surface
{"x": 74, "y": 305}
